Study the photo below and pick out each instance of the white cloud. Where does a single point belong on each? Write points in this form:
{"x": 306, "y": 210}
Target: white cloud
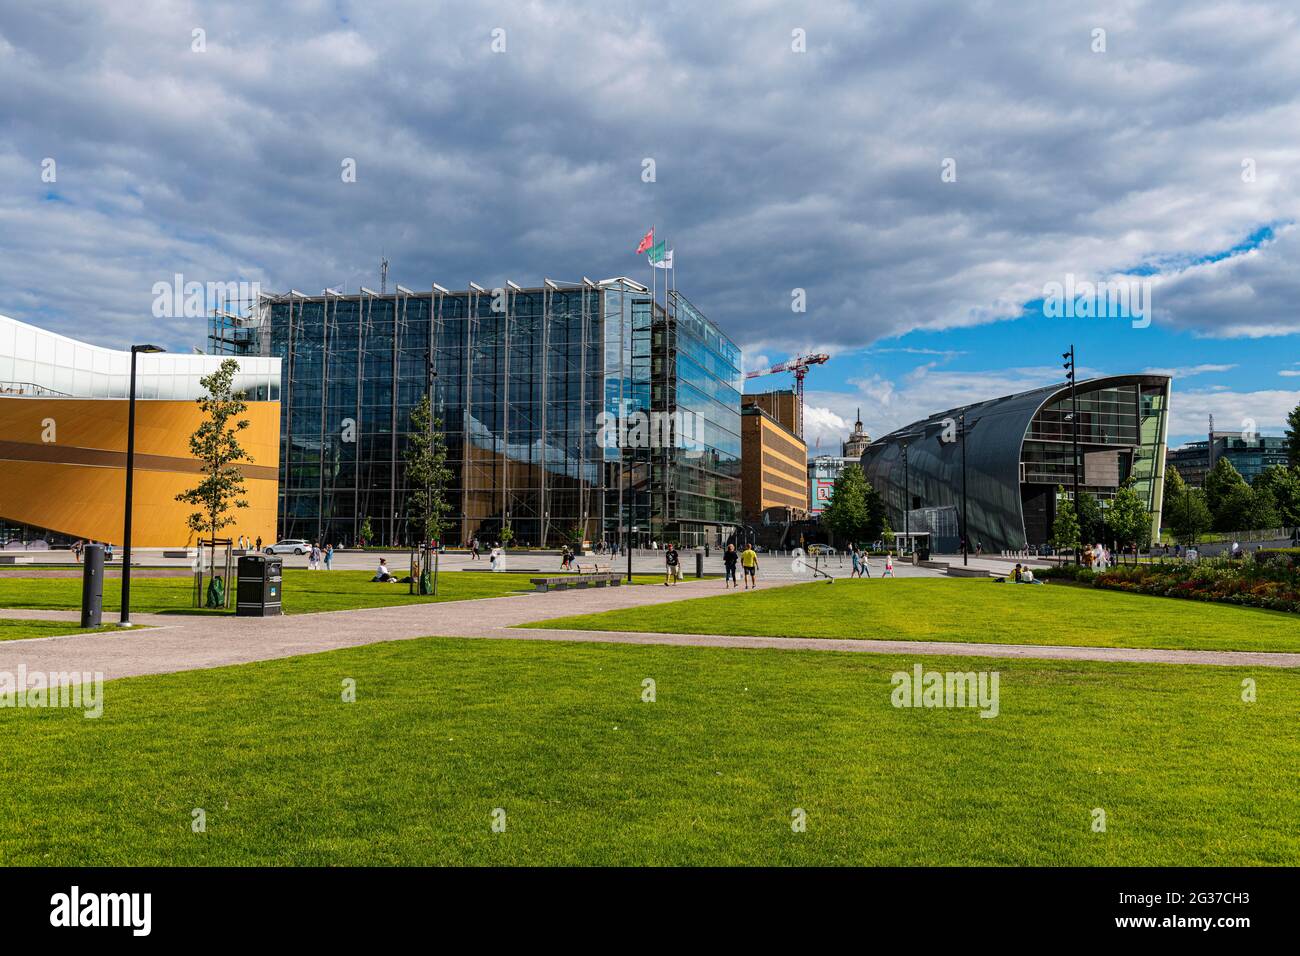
{"x": 775, "y": 170}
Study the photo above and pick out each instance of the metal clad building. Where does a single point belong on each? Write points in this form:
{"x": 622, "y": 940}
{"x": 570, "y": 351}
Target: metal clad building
{"x": 1018, "y": 451}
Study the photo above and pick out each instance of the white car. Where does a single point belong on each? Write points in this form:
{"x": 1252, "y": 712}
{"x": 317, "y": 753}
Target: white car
{"x": 290, "y": 546}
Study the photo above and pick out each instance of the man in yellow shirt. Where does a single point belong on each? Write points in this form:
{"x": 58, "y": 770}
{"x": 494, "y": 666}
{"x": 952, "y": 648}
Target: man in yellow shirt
{"x": 749, "y": 562}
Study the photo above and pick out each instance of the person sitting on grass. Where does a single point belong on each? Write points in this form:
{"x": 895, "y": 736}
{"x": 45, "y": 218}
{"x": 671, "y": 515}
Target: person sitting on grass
{"x": 382, "y": 574}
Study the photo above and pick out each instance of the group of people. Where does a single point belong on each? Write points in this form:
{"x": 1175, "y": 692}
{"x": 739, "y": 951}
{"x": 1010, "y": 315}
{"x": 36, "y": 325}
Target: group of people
{"x": 1096, "y": 556}
{"x": 246, "y": 543}
{"x": 748, "y": 561}
{"x": 862, "y": 566}
{"x": 317, "y": 559}
{"x": 1023, "y": 575}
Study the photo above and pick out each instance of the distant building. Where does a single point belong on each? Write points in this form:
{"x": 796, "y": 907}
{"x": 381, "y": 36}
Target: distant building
{"x": 783, "y": 405}
{"x": 1018, "y": 451}
{"x": 1250, "y": 456}
{"x": 822, "y": 472}
{"x": 858, "y": 441}
{"x": 772, "y": 465}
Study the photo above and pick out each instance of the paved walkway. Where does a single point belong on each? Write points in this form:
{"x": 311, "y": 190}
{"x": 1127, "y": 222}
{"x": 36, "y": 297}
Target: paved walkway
{"x": 181, "y": 642}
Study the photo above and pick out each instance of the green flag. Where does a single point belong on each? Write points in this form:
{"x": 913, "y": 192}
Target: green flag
{"x": 657, "y": 250}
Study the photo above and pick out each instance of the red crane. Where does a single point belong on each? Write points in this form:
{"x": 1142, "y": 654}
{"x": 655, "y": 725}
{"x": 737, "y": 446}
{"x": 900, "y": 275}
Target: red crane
{"x": 799, "y": 366}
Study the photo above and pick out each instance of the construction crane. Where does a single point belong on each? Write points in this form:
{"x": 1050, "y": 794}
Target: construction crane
{"x": 799, "y": 367}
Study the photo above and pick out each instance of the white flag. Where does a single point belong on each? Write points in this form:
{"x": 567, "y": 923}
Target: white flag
{"x": 666, "y": 262}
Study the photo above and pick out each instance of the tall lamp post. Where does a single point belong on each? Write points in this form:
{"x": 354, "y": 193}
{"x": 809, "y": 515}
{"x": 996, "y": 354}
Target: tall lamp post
{"x": 907, "y": 498}
{"x": 130, "y": 482}
{"x": 965, "y": 532}
{"x": 1074, "y": 433}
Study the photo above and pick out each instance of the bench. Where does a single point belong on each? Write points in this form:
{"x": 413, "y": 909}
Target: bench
{"x": 593, "y": 568}
{"x": 594, "y": 579}
{"x": 959, "y": 571}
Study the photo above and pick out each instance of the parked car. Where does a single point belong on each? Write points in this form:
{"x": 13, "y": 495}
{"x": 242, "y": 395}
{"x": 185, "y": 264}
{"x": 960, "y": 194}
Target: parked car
{"x": 289, "y": 546}
{"x": 823, "y": 549}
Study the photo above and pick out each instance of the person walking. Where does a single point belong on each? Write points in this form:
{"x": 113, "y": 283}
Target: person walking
{"x": 672, "y": 566}
{"x": 313, "y": 559}
{"x": 857, "y": 562}
{"x": 473, "y": 549}
{"x": 259, "y": 542}
{"x": 864, "y": 565}
{"x": 729, "y": 559}
{"x": 889, "y": 565}
{"x": 749, "y": 564}
{"x": 329, "y": 557}
{"x": 566, "y": 559}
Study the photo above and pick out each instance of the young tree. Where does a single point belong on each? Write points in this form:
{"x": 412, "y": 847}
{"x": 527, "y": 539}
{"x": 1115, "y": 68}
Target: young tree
{"x": 365, "y": 531}
{"x": 507, "y": 534}
{"x": 1187, "y": 516}
{"x": 1293, "y": 438}
{"x": 1128, "y": 518}
{"x": 427, "y": 476}
{"x": 856, "y": 511}
{"x": 1220, "y": 481}
{"x": 1089, "y": 515}
{"x": 1065, "y": 529}
{"x": 1283, "y": 484}
{"x": 1246, "y": 510}
{"x": 215, "y": 443}
{"x": 1174, "y": 484}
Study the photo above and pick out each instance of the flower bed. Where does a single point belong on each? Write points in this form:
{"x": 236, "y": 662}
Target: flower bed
{"x": 1272, "y": 586}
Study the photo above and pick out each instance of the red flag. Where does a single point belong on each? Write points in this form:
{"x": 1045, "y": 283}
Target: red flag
{"x": 646, "y": 241}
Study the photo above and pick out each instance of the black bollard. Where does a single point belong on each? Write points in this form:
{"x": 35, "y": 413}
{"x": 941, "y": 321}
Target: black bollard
{"x": 92, "y": 586}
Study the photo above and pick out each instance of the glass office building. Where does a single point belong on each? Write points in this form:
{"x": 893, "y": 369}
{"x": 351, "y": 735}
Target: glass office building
{"x": 533, "y": 388}
{"x": 1018, "y": 451}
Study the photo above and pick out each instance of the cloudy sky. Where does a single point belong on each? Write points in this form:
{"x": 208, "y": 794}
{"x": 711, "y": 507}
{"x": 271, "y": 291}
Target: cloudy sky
{"x": 922, "y": 172}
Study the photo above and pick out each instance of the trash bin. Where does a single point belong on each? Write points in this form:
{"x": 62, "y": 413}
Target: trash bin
{"x": 699, "y": 565}
{"x": 258, "y": 591}
{"x": 92, "y": 586}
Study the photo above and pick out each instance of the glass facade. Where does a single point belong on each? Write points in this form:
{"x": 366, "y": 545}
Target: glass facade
{"x": 521, "y": 380}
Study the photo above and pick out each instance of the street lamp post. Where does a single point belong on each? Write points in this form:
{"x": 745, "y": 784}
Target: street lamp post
{"x": 130, "y": 482}
{"x": 965, "y": 528}
{"x": 907, "y": 498}
{"x": 1069, "y": 367}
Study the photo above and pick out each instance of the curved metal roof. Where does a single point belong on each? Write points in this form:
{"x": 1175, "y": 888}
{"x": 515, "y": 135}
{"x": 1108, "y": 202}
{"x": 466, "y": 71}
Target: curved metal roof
{"x": 996, "y": 429}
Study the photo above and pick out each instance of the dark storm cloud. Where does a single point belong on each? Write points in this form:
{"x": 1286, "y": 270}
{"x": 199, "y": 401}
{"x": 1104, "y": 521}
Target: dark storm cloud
{"x": 776, "y": 170}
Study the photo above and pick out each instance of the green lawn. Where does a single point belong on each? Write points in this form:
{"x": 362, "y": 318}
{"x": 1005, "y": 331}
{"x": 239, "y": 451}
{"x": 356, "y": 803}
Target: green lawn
{"x": 304, "y": 591}
{"x": 16, "y": 629}
{"x": 444, "y": 731}
{"x": 970, "y": 610}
